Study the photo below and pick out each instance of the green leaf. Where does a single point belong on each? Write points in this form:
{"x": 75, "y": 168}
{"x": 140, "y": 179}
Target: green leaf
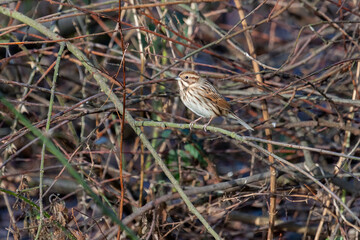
{"x": 166, "y": 133}
{"x": 193, "y": 151}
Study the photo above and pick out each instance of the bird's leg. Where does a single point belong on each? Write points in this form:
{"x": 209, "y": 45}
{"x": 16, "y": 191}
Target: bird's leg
{"x": 205, "y": 126}
{"x": 193, "y": 122}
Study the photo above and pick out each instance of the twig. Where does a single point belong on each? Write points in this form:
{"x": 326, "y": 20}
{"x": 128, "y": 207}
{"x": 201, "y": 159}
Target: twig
{"x": 119, "y": 106}
{"x": 56, "y": 74}
{"x": 264, "y": 151}
{"x": 266, "y": 116}
{"x": 50, "y": 146}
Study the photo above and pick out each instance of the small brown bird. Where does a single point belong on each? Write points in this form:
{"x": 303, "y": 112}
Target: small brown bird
{"x": 201, "y": 97}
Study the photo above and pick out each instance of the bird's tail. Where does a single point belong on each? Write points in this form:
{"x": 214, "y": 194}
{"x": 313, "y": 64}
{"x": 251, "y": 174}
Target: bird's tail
{"x": 233, "y": 115}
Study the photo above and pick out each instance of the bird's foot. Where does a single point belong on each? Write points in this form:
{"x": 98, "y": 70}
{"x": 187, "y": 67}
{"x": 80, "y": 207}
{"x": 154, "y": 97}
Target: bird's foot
{"x": 193, "y": 122}
{"x": 205, "y": 126}
{"x": 205, "y": 130}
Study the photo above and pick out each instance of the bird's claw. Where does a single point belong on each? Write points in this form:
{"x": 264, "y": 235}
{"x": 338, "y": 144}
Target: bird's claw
{"x": 192, "y": 124}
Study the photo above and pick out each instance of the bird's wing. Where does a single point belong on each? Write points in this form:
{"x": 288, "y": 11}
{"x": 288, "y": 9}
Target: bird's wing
{"x": 213, "y": 94}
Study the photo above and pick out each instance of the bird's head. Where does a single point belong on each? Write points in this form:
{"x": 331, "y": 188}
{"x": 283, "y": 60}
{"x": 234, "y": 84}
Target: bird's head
{"x": 188, "y": 77}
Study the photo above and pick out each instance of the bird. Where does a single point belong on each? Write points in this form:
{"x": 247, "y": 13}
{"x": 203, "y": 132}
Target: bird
{"x": 202, "y": 98}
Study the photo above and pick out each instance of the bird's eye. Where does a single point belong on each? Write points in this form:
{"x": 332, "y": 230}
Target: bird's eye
{"x": 186, "y": 77}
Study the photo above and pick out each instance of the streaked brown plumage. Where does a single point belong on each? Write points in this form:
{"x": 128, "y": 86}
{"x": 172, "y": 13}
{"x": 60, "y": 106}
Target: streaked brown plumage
{"x": 201, "y": 97}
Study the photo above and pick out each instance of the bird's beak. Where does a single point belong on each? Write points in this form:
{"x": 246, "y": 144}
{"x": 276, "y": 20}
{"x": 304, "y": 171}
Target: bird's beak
{"x": 178, "y": 78}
